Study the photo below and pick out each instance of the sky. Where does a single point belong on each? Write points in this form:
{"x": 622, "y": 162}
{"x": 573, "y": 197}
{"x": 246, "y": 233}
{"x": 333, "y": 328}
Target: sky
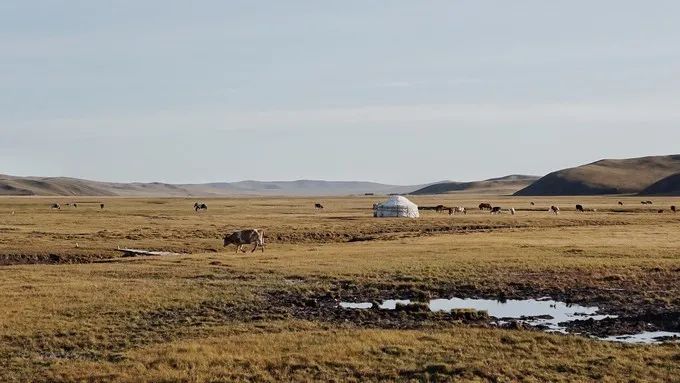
{"x": 394, "y": 91}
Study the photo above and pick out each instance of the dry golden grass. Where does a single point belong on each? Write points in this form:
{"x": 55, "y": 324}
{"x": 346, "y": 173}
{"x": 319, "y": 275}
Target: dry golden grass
{"x": 210, "y": 315}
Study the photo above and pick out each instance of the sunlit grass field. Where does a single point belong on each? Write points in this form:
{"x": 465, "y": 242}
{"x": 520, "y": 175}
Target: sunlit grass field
{"x": 73, "y": 309}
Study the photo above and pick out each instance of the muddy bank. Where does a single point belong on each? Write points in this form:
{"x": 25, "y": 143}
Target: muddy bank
{"x": 630, "y": 315}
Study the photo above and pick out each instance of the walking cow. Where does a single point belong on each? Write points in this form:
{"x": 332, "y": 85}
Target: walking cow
{"x": 579, "y": 208}
{"x": 554, "y": 209}
{"x": 485, "y": 206}
{"x": 245, "y": 237}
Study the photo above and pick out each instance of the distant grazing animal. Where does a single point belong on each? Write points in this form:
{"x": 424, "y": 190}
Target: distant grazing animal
{"x": 580, "y": 208}
{"x": 512, "y": 210}
{"x": 75, "y": 205}
{"x": 674, "y": 209}
{"x": 620, "y": 203}
{"x": 318, "y": 206}
{"x": 245, "y": 237}
{"x": 554, "y": 209}
{"x": 55, "y": 206}
{"x": 101, "y": 206}
{"x": 532, "y": 204}
{"x": 660, "y": 211}
{"x": 650, "y": 203}
{"x": 485, "y": 206}
{"x": 496, "y": 210}
{"x": 440, "y": 208}
{"x": 459, "y": 209}
{"x": 200, "y": 206}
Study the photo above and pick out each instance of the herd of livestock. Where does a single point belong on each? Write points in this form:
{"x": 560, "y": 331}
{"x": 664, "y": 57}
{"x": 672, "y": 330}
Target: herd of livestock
{"x": 256, "y": 236}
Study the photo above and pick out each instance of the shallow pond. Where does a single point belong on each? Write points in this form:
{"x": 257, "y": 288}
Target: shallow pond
{"x": 544, "y": 312}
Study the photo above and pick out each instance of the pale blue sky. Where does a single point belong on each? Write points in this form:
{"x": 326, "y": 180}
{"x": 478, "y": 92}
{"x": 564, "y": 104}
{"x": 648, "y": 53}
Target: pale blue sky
{"x": 391, "y": 91}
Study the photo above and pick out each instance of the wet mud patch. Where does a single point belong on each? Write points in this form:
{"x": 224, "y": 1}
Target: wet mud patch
{"x": 411, "y": 305}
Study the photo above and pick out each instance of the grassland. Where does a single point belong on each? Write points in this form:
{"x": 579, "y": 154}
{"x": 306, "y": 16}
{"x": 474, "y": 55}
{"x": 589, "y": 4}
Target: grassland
{"x": 74, "y": 310}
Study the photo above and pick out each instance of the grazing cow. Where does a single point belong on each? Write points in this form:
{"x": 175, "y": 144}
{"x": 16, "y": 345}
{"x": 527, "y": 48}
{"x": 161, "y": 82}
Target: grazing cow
{"x": 246, "y": 237}
{"x": 200, "y": 206}
{"x": 532, "y": 204}
{"x": 512, "y": 210}
{"x": 75, "y": 205}
{"x": 660, "y": 211}
{"x": 485, "y": 206}
{"x": 458, "y": 209}
{"x": 101, "y": 206}
{"x": 318, "y": 206}
{"x": 674, "y": 209}
{"x": 440, "y": 208}
{"x": 620, "y": 203}
{"x": 55, "y": 206}
{"x": 650, "y": 203}
{"x": 554, "y": 209}
{"x": 496, "y": 210}
{"x": 580, "y": 208}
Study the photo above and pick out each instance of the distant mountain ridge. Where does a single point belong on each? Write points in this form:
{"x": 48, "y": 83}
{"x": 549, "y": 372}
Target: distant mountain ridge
{"x": 502, "y": 185}
{"x": 669, "y": 186}
{"x": 64, "y": 186}
{"x": 611, "y": 176}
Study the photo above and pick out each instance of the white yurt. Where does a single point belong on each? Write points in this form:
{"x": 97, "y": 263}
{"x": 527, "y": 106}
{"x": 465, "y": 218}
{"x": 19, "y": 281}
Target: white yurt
{"x": 396, "y": 206}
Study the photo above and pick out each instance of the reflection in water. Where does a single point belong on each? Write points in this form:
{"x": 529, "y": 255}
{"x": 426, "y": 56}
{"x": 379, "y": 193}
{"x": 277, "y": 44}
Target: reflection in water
{"x": 542, "y": 312}
{"x": 647, "y": 337}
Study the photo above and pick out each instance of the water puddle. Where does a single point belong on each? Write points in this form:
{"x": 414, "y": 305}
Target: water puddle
{"x": 545, "y": 313}
{"x": 649, "y": 337}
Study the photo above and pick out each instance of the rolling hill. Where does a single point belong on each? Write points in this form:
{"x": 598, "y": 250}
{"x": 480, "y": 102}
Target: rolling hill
{"x": 620, "y": 176}
{"x": 669, "y": 186}
{"x": 63, "y": 186}
{"x": 503, "y": 185}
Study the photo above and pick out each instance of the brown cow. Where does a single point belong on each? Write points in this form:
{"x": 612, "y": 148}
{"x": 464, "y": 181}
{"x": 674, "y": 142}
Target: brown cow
{"x": 580, "y": 208}
{"x": 485, "y": 206}
{"x": 620, "y": 203}
{"x": 246, "y": 237}
{"x": 554, "y": 209}
{"x": 318, "y": 206}
{"x": 674, "y": 209}
{"x": 496, "y": 210}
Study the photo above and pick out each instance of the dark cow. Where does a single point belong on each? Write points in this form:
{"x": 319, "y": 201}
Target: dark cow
{"x": 674, "y": 209}
{"x": 200, "y": 206}
{"x": 485, "y": 206}
{"x": 532, "y": 204}
{"x": 650, "y": 203}
{"x": 554, "y": 209}
{"x": 440, "y": 208}
{"x": 620, "y": 203}
{"x": 245, "y": 237}
{"x": 318, "y": 206}
{"x": 101, "y": 206}
{"x": 660, "y": 211}
{"x": 496, "y": 210}
{"x": 75, "y": 205}
{"x": 55, "y": 206}
{"x": 580, "y": 208}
